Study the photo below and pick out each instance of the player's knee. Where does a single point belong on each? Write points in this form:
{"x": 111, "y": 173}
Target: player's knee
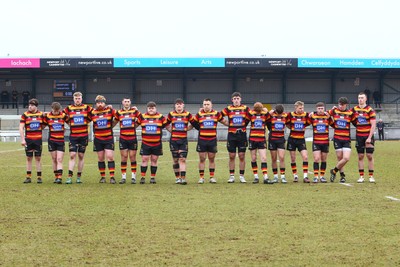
{"x": 175, "y": 154}
{"x": 369, "y": 150}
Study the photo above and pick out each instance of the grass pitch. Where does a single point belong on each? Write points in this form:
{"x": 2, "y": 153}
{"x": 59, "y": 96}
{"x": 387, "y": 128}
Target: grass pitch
{"x": 211, "y": 224}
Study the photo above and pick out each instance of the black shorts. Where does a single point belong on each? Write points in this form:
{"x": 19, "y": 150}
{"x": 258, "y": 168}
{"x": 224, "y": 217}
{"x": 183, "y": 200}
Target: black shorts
{"x": 276, "y": 144}
{"x": 294, "y": 143}
{"x": 207, "y": 146}
{"x": 128, "y": 144}
{"x": 178, "y": 145}
{"x": 33, "y": 146}
{"x": 361, "y": 145}
{"x": 320, "y": 147}
{"x": 257, "y": 145}
{"x": 340, "y": 144}
{"x": 78, "y": 144}
{"x": 101, "y": 145}
{"x": 56, "y": 146}
{"x": 236, "y": 140}
{"x": 147, "y": 150}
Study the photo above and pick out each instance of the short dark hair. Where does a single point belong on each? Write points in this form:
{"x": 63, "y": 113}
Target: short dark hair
{"x": 236, "y": 94}
{"x": 179, "y": 100}
{"x": 151, "y": 104}
{"x": 279, "y": 108}
{"x": 343, "y": 100}
{"x": 34, "y": 102}
{"x": 56, "y": 106}
{"x": 320, "y": 104}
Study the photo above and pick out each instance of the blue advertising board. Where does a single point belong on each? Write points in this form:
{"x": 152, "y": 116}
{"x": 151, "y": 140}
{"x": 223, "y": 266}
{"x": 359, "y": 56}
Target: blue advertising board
{"x": 169, "y": 62}
{"x": 375, "y": 63}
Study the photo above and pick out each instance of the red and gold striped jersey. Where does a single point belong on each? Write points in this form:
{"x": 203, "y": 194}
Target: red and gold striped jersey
{"x": 152, "y": 126}
{"x": 340, "y": 121}
{"x": 276, "y": 126}
{"x": 127, "y": 120}
{"x": 78, "y": 119}
{"x": 56, "y": 126}
{"x": 179, "y": 124}
{"x": 33, "y": 123}
{"x": 238, "y": 117}
{"x": 208, "y": 122}
{"x": 320, "y": 124}
{"x": 362, "y": 118}
{"x": 297, "y": 124}
{"x": 258, "y": 125}
{"x": 102, "y": 123}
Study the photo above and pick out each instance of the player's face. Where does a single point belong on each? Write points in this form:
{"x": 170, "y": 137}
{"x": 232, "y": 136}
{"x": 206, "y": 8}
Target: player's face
{"x": 77, "y": 100}
{"x": 362, "y": 99}
{"x": 179, "y": 107}
{"x": 32, "y": 108}
{"x": 342, "y": 107}
{"x": 207, "y": 106}
{"x": 151, "y": 110}
{"x": 100, "y": 105}
{"x": 320, "y": 110}
{"x": 55, "y": 111}
{"x": 126, "y": 103}
{"x": 299, "y": 109}
{"x": 236, "y": 100}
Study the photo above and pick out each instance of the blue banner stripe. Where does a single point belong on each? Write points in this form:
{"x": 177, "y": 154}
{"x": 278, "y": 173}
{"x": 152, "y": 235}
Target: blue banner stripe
{"x": 169, "y": 62}
{"x": 378, "y": 63}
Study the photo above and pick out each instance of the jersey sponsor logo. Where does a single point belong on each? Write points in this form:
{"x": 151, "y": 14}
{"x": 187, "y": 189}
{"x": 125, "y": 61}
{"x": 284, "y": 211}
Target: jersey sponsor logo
{"x": 258, "y": 124}
{"x": 57, "y": 127}
{"x": 298, "y": 126}
{"x": 341, "y": 124}
{"x": 35, "y": 125}
{"x": 179, "y": 125}
{"x": 237, "y": 120}
{"x": 279, "y": 125}
{"x": 151, "y": 128}
{"x": 362, "y": 120}
{"x": 101, "y": 123}
{"x": 79, "y": 120}
{"x": 126, "y": 122}
{"x": 321, "y": 128}
{"x": 208, "y": 124}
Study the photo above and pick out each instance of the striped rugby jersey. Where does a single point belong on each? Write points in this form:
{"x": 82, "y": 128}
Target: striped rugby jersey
{"x": 362, "y": 118}
{"x": 152, "y": 126}
{"x": 33, "y": 124}
{"x": 56, "y": 126}
{"x": 320, "y": 124}
{"x": 127, "y": 120}
{"x": 340, "y": 121}
{"x": 297, "y": 124}
{"x": 78, "y": 119}
{"x": 208, "y": 122}
{"x": 102, "y": 123}
{"x": 179, "y": 124}
{"x": 276, "y": 126}
{"x": 258, "y": 124}
{"x": 238, "y": 117}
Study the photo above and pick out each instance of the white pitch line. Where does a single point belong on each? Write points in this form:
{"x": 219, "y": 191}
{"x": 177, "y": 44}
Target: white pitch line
{"x": 7, "y": 151}
{"x": 346, "y": 184}
{"x": 392, "y": 198}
